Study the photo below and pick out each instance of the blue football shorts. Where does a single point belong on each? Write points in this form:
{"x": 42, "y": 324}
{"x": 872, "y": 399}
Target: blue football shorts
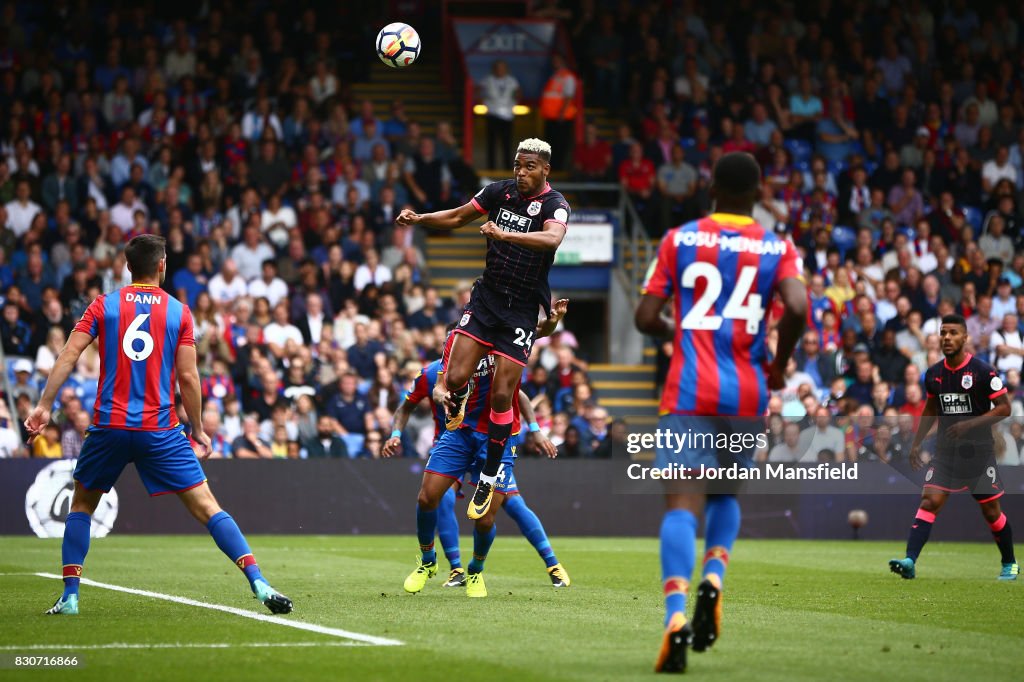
{"x": 464, "y": 451}
{"x": 164, "y": 459}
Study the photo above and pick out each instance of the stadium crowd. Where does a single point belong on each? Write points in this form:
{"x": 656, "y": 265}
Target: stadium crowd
{"x": 277, "y": 196}
{"x": 890, "y": 137}
{"x": 891, "y": 140}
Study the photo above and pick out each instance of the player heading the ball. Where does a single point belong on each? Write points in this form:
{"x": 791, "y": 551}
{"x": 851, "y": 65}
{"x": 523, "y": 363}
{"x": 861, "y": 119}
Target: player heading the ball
{"x": 526, "y": 223}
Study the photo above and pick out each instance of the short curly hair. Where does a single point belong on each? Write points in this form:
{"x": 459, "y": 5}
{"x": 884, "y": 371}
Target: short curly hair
{"x": 533, "y": 145}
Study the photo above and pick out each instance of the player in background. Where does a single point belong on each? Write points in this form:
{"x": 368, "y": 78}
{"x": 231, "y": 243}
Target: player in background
{"x": 447, "y": 524}
{"x": 527, "y": 222}
{"x": 967, "y": 397}
{"x": 146, "y": 344}
{"x": 458, "y": 452}
{"x": 722, "y": 272}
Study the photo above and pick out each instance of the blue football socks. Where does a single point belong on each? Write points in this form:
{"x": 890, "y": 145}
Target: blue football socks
{"x": 74, "y": 548}
{"x": 531, "y": 528}
{"x": 678, "y": 546}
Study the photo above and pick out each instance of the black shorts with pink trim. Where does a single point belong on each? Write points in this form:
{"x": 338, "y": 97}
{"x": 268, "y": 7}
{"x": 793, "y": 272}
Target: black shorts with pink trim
{"x": 507, "y": 330}
{"x": 978, "y": 476}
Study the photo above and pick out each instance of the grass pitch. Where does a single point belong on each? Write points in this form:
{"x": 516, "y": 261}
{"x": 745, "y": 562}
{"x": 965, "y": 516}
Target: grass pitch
{"x": 794, "y": 610}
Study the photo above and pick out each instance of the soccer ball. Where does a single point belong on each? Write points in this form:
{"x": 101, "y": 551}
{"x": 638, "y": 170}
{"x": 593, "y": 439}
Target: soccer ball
{"x": 398, "y": 45}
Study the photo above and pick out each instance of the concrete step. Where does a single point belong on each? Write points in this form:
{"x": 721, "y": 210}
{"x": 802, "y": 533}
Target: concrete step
{"x": 437, "y": 264}
{"x": 621, "y": 372}
{"x": 455, "y": 251}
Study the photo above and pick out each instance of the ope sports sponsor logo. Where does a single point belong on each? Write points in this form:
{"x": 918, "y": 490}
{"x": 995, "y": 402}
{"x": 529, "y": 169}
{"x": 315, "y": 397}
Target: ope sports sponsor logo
{"x": 955, "y": 403}
{"x": 509, "y": 221}
{"x": 737, "y": 244}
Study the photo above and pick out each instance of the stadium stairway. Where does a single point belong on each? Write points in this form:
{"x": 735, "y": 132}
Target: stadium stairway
{"x": 456, "y": 257}
{"x": 626, "y": 391}
{"x": 420, "y": 88}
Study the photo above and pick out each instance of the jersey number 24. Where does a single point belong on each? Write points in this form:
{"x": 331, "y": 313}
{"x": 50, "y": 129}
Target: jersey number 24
{"x": 742, "y": 304}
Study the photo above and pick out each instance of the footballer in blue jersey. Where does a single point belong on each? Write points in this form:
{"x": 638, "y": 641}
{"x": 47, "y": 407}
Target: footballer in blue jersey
{"x": 463, "y": 451}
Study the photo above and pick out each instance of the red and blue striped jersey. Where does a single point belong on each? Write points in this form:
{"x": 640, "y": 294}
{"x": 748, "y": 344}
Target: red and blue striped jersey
{"x": 423, "y": 389}
{"x": 139, "y": 328}
{"x": 478, "y": 404}
{"x": 722, "y": 272}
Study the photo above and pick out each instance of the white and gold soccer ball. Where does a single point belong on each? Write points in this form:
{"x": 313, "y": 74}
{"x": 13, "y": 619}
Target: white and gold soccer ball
{"x": 398, "y": 45}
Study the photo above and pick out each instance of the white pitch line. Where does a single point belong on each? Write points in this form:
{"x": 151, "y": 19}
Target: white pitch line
{"x": 176, "y": 645}
{"x": 277, "y": 620}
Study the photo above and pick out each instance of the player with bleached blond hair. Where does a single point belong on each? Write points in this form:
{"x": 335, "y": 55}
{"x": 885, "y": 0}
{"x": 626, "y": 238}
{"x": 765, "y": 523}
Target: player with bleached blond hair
{"x": 526, "y": 223}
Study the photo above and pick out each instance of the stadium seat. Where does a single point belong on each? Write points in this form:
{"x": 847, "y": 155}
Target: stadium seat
{"x": 843, "y": 238}
{"x": 801, "y": 150}
{"x": 974, "y": 217}
{"x": 870, "y": 166}
{"x": 907, "y": 230}
{"x": 836, "y": 168}
{"x": 688, "y": 143}
{"x": 803, "y": 166}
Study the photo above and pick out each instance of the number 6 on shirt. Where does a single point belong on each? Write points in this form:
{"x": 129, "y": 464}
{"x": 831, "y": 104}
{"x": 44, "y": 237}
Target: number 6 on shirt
{"x": 134, "y": 332}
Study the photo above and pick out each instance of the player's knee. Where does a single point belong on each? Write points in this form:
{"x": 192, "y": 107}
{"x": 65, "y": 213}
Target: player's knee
{"x": 991, "y": 511}
{"x": 81, "y": 507}
{"x": 204, "y": 512}
{"x": 425, "y": 501}
{"x": 930, "y": 505}
{"x": 501, "y": 399}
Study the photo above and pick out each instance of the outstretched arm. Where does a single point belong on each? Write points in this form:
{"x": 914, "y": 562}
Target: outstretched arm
{"x": 66, "y": 361}
{"x": 451, "y": 219}
{"x": 547, "y": 239}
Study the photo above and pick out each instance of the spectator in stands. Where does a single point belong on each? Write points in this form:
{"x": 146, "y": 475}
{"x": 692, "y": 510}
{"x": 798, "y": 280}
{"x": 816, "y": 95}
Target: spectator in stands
{"x": 252, "y": 252}
{"x": 326, "y": 442}
{"x": 15, "y": 334}
{"x": 558, "y": 109}
{"x": 821, "y": 435}
{"x": 227, "y": 286}
{"x": 905, "y": 200}
{"x": 637, "y": 176}
{"x": 677, "y": 185}
{"x": 268, "y": 285}
{"x": 499, "y": 91}
{"x": 362, "y": 354}
{"x": 249, "y": 445}
{"x": 21, "y": 210}
{"x": 572, "y": 445}
{"x": 592, "y": 160}
{"x": 1007, "y": 345}
{"x": 790, "y": 449}
{"x": 428, "y": 178}
{"x": 351, "y": 413}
